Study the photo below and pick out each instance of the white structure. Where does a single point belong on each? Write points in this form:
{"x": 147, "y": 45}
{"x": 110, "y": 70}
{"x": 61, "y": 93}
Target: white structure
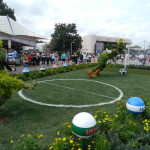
{"x": 92, "y": 42}
{"x": 11, "y": 31}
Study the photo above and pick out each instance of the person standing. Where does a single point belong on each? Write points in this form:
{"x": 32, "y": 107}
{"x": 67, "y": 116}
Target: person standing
{"x": 11, "y": 59}
{"x": 56, "y": 57}
{"x": 47, "y": 58}
{"x": 33, "y": 58}
{"x": 53, "y": 58}
{"x": 43, "y": 58}
{"x": 63, "y": 57}
{"x": 68, "y": 56}
{"x": 80, "y": 57}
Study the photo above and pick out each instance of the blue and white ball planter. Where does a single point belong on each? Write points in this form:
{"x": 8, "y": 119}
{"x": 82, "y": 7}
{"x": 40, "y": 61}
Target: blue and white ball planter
{"x": 135, "y": 105}
{"x": 65, "y": 64}
{"x": 25, "y": 70}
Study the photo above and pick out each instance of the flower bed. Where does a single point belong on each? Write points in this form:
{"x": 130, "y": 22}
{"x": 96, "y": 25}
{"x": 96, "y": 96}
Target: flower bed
{"x": 119, "y": 131}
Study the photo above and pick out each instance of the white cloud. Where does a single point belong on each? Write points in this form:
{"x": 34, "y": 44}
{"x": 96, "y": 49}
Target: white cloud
{"x": 125, "y": 18}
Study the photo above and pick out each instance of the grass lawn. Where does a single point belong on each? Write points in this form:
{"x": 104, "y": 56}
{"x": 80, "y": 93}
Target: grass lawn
{"x": 26, "y": 117}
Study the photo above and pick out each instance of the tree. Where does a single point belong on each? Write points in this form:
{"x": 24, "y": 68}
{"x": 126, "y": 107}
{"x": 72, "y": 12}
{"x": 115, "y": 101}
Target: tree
{"x": 63, "y": 36}
{"x": 5, "y": 10}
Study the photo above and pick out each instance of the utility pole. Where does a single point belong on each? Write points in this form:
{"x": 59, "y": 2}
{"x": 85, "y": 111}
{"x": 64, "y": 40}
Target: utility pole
{"x": 144, "y": 44}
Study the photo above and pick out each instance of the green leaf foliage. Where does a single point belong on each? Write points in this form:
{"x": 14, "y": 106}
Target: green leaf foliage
{"x": 7, "y": 85}
{"x": 5, "y": 10}
{"x": 63, "y": 36}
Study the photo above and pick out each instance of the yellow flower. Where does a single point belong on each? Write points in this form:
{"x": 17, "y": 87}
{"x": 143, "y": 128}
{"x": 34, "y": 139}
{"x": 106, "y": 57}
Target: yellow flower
{"x": 116, "y": 116}
{"x": 58, "y": 133}
{"x": 106, "y": 115}
{"x": 69, "y": 126}
{"x": 29, "y": 135}
{"x": 99, "y": 121}
{"x": 93, "y": 142}
{"x": 66, "y": 123}
{"x": 133, "y": 145}
{"x": 11, "y": 141}
{"x": 79, "y": 149}
{"x": 95, "y": 116}
{"x": 89, "y": 145}
{"x": 64, "y": 139}
{"x": 70, "y": 137}
{"x": 71, "y": 141}
{"x": 22, "y": 135}
{"x": 51, "y": 147}
{"x": 40, "y": 136}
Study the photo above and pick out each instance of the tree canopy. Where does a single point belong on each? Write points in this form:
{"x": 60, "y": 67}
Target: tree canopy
{"x": 64, "y": 37}
{"x": 5, "y": 10}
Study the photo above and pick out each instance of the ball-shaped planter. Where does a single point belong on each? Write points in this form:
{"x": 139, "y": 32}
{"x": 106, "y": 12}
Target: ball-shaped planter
{"x": 25, "y": 70}
{"x": 73, "y": 63}
{"x": 42, "y": 68}
{"x": 84, "y": 125}
{"x": 55, "y": 66}
{"x": 65, "y": 64}
{"x": 135, "y": 105}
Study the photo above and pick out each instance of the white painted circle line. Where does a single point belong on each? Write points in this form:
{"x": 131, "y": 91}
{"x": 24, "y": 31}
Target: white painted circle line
{"x": 74, "y": 106}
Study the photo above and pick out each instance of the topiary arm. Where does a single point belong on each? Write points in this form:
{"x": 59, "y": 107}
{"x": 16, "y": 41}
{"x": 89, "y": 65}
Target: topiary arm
{"x": 8, "y": 84}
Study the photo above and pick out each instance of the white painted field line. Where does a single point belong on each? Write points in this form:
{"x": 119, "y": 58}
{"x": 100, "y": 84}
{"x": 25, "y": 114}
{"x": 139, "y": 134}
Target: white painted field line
{"x": 79, "y": 90}
{"x": 74, "y": 106}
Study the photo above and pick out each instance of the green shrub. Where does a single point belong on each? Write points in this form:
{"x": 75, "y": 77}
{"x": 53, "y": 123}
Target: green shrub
{"x": 7, "y": 85}
{"x": 139, "y": 67}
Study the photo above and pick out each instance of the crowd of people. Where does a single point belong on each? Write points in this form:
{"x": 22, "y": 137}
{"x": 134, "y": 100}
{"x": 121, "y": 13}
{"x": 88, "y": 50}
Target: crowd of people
{"x": 36, "y": 58}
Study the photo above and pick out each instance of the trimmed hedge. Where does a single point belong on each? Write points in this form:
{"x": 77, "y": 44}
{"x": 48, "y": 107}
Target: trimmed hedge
{"x": 39, "y": 74}
{"x": 129, "y": 66}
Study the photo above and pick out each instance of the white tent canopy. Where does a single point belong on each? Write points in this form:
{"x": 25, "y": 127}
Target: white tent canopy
{"x": 11, "y": 27}
{"x": 11, "y": 30}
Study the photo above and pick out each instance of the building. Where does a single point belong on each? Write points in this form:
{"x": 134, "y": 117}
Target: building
{"x": 15, "y": 35}
{"x": 94, "y": 43}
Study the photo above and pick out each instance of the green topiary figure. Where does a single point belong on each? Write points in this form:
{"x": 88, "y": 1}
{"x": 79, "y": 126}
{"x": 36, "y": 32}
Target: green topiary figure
{"x": 105, "y": 56}
{"x": 8, "y": 83}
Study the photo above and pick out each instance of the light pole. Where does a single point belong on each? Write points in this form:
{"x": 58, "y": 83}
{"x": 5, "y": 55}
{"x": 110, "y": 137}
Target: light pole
{"x": 71, "y": 47}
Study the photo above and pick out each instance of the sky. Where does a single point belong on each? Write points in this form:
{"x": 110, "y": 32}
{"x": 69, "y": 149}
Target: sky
{"x": 114, "y": 18}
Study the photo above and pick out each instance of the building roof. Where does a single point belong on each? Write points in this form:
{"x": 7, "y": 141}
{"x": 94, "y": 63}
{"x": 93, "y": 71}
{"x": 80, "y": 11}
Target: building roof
{"x": 107, "y": 38}
{"x": 11, "y": 27}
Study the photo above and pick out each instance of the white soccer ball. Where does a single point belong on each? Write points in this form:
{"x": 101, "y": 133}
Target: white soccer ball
{"x": 123, "y": 71}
